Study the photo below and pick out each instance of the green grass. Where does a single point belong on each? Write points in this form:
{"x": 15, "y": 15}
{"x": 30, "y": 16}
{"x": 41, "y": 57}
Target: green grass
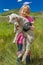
{"x": 8, "y": 50}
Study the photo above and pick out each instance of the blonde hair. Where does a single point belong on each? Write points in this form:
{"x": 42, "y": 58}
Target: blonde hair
{"x": 28, "y": 7}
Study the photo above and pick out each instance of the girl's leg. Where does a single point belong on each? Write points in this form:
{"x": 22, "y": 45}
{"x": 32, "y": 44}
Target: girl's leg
{"x": 20, "y": 50}
{"x": 20, "y": 45}
{"x": 28, "y": 58}
{"x": 19, "y": 58}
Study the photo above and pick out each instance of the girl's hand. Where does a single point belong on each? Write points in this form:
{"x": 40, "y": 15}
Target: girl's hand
{"x": 32, "y": 27}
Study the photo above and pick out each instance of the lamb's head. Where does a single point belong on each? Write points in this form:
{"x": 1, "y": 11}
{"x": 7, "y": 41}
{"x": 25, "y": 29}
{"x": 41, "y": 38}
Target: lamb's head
{"x": 13, "y": 18}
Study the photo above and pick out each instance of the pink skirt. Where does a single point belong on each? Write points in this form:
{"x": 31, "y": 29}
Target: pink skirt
{"x": 20, "y": 38}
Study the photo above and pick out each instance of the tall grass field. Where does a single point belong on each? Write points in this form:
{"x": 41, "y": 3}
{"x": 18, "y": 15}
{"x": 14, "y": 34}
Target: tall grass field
{"x": 8, "y": 50}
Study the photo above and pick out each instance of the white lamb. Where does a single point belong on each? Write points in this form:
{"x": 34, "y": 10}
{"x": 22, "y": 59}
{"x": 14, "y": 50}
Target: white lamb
{"x": 20, "y": 21}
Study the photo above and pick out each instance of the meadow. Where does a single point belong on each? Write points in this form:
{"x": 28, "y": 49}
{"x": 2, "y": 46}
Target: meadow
{"x": 8, "y": 50}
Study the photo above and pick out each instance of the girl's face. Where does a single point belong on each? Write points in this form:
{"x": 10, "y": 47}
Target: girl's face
{"x": 24, "y": 11}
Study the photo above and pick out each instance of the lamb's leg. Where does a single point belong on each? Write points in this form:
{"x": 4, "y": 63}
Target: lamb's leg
{"x": 27, "y": 49}
{"x": 30, "y": 37}
{"x": 14, "y": 41}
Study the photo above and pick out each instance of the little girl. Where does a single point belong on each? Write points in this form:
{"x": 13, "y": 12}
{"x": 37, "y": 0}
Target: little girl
{"x": 29, "y": 36}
